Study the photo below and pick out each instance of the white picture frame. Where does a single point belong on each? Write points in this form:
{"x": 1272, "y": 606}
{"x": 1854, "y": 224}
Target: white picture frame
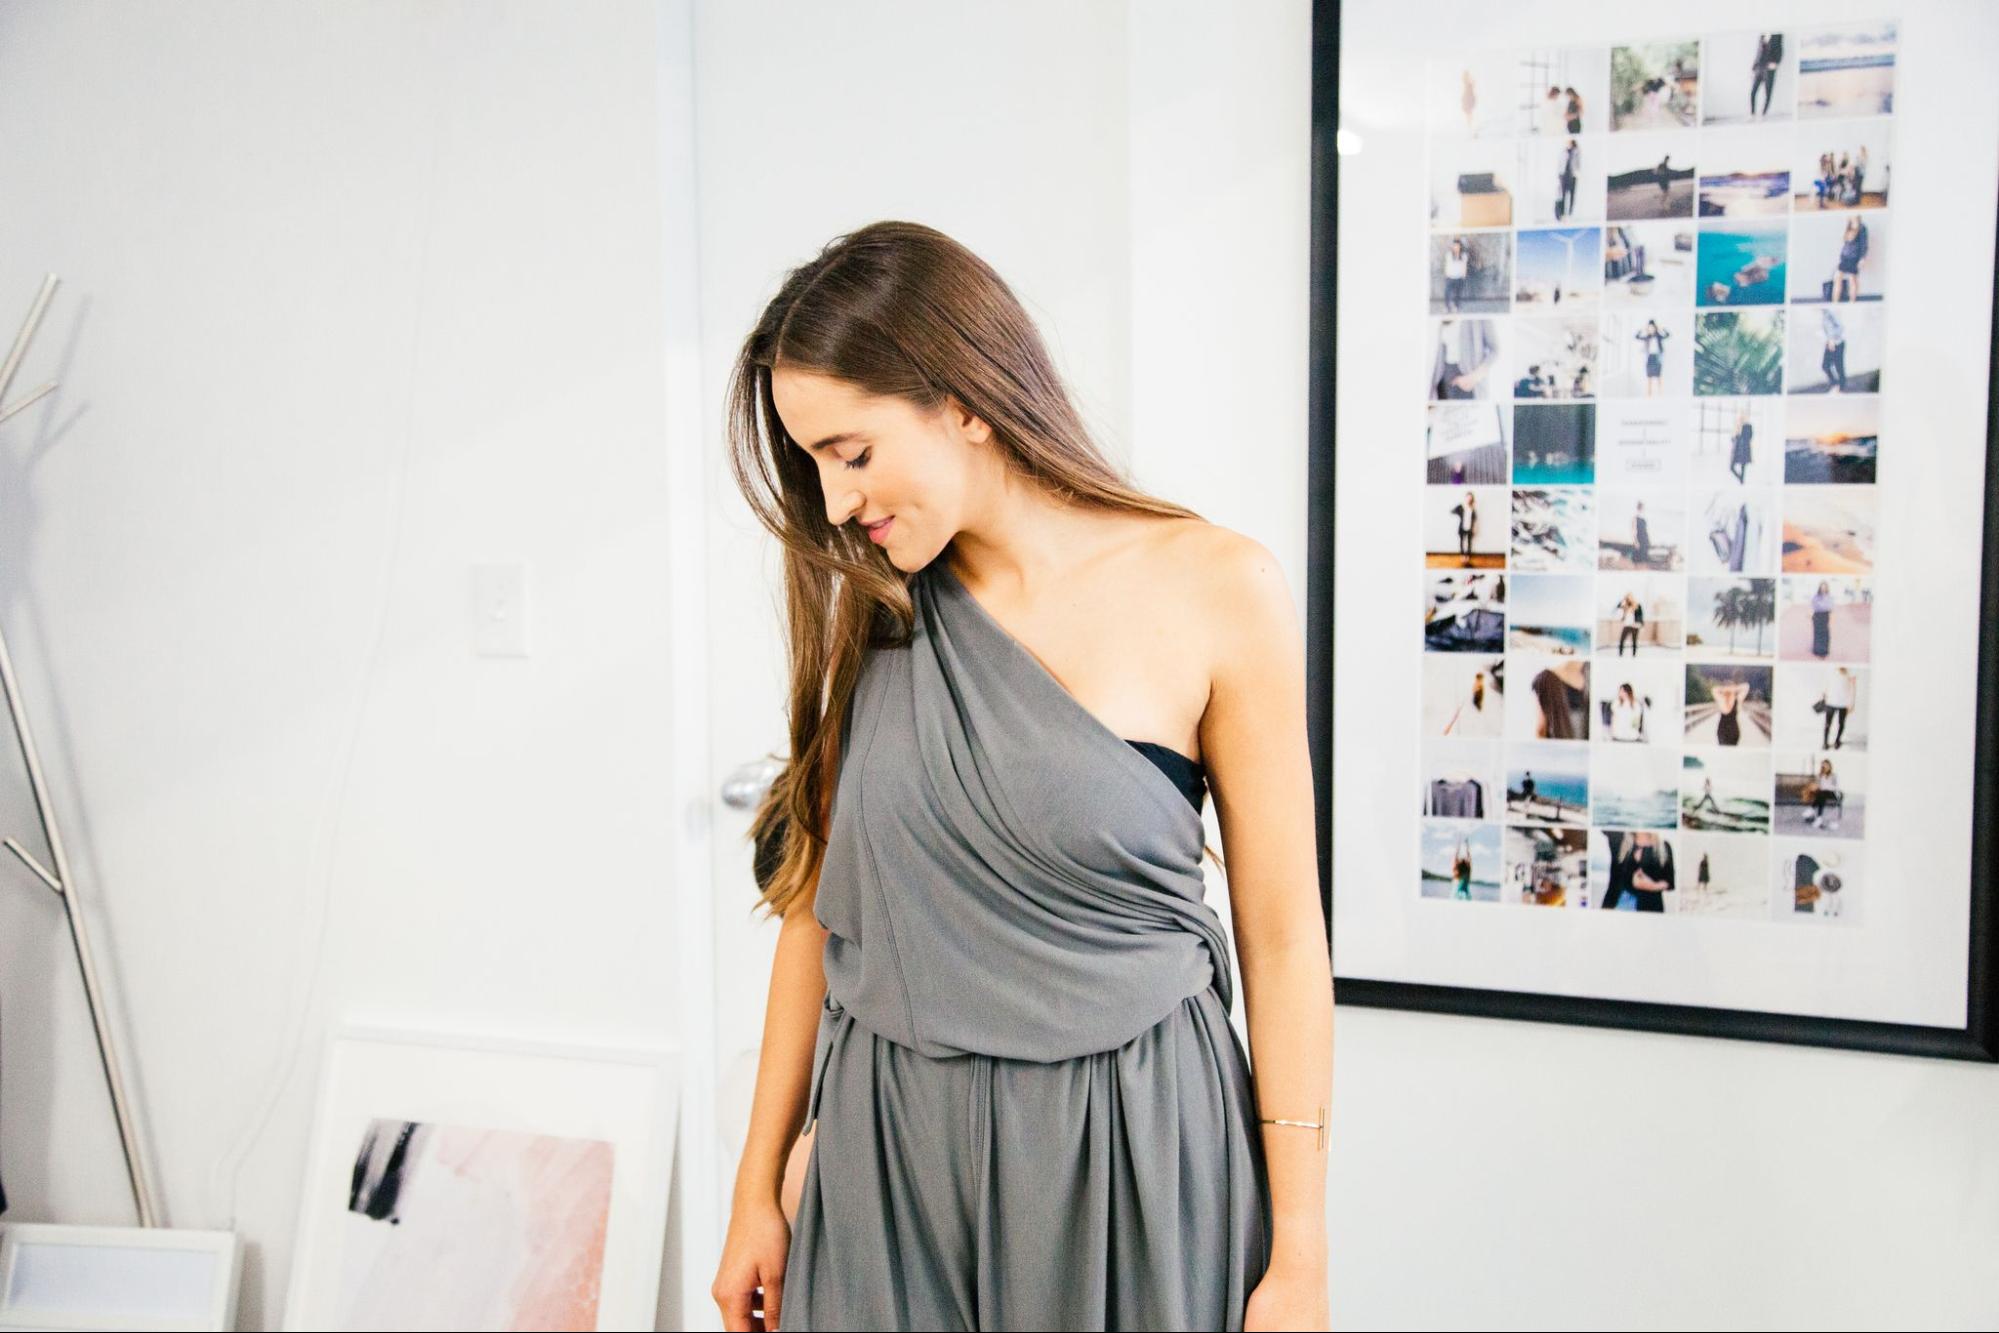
{"x": 54, "y": 1275}
{"x": 551, "y": 1150}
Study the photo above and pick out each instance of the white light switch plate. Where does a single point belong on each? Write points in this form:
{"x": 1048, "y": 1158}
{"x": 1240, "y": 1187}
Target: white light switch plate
{"x": 500, "y": 610}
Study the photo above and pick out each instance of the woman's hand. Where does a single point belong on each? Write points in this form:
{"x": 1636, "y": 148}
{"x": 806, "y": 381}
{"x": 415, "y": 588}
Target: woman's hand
{"x": 1289, "y": 1297}
{"x": 753, "y": 1255}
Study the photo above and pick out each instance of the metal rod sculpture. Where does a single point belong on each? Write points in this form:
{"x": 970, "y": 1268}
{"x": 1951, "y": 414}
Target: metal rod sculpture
{"x": 59, "y": 881}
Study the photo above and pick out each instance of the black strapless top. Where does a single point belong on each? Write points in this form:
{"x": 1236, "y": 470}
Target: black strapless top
{"x": 1188, "y": 775}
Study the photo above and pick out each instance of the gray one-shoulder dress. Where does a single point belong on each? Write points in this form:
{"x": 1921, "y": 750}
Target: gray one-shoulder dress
{"x": 1032, "y": 1111}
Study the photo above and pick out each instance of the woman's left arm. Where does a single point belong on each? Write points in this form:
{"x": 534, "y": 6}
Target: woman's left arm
{"x": 1259, "y": 762}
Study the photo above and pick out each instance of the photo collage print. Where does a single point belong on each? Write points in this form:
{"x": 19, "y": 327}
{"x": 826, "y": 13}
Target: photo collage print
{"x": 1658, "y": 279}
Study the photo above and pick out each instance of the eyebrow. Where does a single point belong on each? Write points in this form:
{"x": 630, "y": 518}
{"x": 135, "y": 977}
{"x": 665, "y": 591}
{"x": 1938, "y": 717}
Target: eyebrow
{"x": 841, "y": 438}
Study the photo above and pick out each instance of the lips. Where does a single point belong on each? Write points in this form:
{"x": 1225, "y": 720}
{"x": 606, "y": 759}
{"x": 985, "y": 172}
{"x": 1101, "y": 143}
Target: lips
{"x": 878, "y": 532}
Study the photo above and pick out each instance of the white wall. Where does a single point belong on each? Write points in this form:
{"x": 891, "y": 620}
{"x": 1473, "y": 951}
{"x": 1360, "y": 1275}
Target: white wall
{"x": 354, "y": 297}
{"x": 357, "y": 297}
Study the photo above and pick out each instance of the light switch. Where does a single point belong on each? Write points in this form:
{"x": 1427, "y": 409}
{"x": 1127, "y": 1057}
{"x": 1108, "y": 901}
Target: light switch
{"x": 500, "y": 609}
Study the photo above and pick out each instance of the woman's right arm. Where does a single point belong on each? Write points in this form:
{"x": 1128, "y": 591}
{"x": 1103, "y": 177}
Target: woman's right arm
{"x": 759, "y": 1238}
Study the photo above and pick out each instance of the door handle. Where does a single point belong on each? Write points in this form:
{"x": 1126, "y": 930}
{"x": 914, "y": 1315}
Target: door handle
{"x": 744, "y": 788}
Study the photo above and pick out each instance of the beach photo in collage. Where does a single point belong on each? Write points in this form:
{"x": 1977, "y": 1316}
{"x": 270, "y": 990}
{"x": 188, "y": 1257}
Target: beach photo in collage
{"x": 1728, "y": 875}
{"x": 1659, "y": 276}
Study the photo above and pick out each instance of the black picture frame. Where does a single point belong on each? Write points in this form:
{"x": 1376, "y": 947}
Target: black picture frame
{"x": 1977, "y": 1040}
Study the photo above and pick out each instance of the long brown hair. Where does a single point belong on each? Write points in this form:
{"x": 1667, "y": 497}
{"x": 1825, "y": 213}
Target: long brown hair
{"x": 894, "y": 309}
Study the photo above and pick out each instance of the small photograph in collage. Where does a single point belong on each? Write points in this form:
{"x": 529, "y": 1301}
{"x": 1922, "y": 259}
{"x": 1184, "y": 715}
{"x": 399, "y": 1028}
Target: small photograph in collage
{"x": 1837, "y": 258}
{"x": 1635, "y": 870}
{"x": 1828, "y": 529}
{"x": 1734, "y": 531}
{"x": 1635, "y": 786}
{"x": 1739, "y": 351}
{"x": 1637, "y": 703}
{"x": 1474, "y": 96}
{"x": 1546, "y": 867}
{"x": 1847, "y": 70}
{"x": 1467, "y": 444}
{"x": 1817, "y": 881}
{"x": 1821, "y": 706}
{"x": 1464, "y": 528}
{"x": 1554, "y": 529}
{"x": 1468, "y": 360}
{"x": 1461, "y": 779}
{"x": 1573, "y": 82}
{"x": 1840, "y": 165}
{"x": 1555, "y": 357}
{"x": 1559, "y": 269}
{"x": 1644, "y": 529}
{"x": 1647, "y": 354}
{"x": 1655, "y": 85}
{"x": 1472, "y": 183}
{"x": 1554, "y": 444}
{"x": 1465, "y": 612}
{"x": 1749, "y": 78}
{"x": 1547, "y": 784}
{"x": 1728, "y": 705}
{"x": 1821, "y": 794}
{"x": 1549, "y": 613}
{"x": 1725, "y": 791}
{"x": 1563, "y": 181}
{"x": 1464, "y": 695}
{"x": 1649, "y": 264}
{"x": 1730, "y": 618}
{"x": 1745, "y": 173}
{"x": 1649, "y": 176}
{"x": 1728, "y": 875}
{"x": 1826, "y": 620}
{"x": 1743, "y": 263}
{"x": 1641, "y": 615}
{"x": 1550, "y": 699}
{"x": 1832, "y": 440}
{"x": 1836, "y": 349}
{"x": 1641, "y": 443}
{"x": 1735, "y": 442}
{"x": 1460, "y": 860}
{"x": 1470, "y": 272}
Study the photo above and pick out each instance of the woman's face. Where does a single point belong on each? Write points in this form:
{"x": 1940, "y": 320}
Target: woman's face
{"x": 1624, "y": 693}
{"x": 1825, "y": 588}
{"x": 882, "y": 457}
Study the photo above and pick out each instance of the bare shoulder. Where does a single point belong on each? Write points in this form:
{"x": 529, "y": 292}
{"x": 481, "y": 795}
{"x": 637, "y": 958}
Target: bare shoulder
{"x": 1239, "y": 592}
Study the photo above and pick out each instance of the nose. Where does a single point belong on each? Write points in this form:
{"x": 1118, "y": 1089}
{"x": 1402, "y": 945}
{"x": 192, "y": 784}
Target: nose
{"x": 842, "y": 504}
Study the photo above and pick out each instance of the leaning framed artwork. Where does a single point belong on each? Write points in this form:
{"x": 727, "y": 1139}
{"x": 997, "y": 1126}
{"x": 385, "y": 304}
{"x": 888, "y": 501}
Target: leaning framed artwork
{"x": 1654, "y": 376}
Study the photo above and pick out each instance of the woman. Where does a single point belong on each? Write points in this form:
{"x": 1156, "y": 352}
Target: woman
{"x": 1627, "y": 715}
{"x": 1740, "y": 455}
{"x": 1467, "y": 516}
{"x": 1728, "y": 720}
{"x": 1575, "y": 110}
{"x": 1852, "y": 253}
{"x": 1822, "y": 621}
{"x": 991, "y": 893}
{"x": 1824, "y": 790}
{"x": 1461, "y": 869}
{"x": 1653, "y": 339}
{"x": 1457, "y": 265}
{"x": 1643, "y": 868}
{"x": 1703, "y": 876}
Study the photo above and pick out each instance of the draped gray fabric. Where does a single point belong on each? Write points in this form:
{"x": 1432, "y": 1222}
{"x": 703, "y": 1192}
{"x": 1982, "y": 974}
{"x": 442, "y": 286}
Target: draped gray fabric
{"x": 1004, "y": 874}
{"x": 1032, "y": 1111}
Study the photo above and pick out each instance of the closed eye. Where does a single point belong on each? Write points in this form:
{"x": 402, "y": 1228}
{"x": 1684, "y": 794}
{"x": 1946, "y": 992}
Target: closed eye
{"x": 859, "y": 460}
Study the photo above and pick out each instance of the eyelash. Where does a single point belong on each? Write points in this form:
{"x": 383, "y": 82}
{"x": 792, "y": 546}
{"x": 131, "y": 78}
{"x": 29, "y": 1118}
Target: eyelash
{"x": 860, "y": 460}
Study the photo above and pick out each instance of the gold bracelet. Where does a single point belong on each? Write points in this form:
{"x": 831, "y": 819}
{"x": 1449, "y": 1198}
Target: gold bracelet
{"x": 1319, "y": 1124}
